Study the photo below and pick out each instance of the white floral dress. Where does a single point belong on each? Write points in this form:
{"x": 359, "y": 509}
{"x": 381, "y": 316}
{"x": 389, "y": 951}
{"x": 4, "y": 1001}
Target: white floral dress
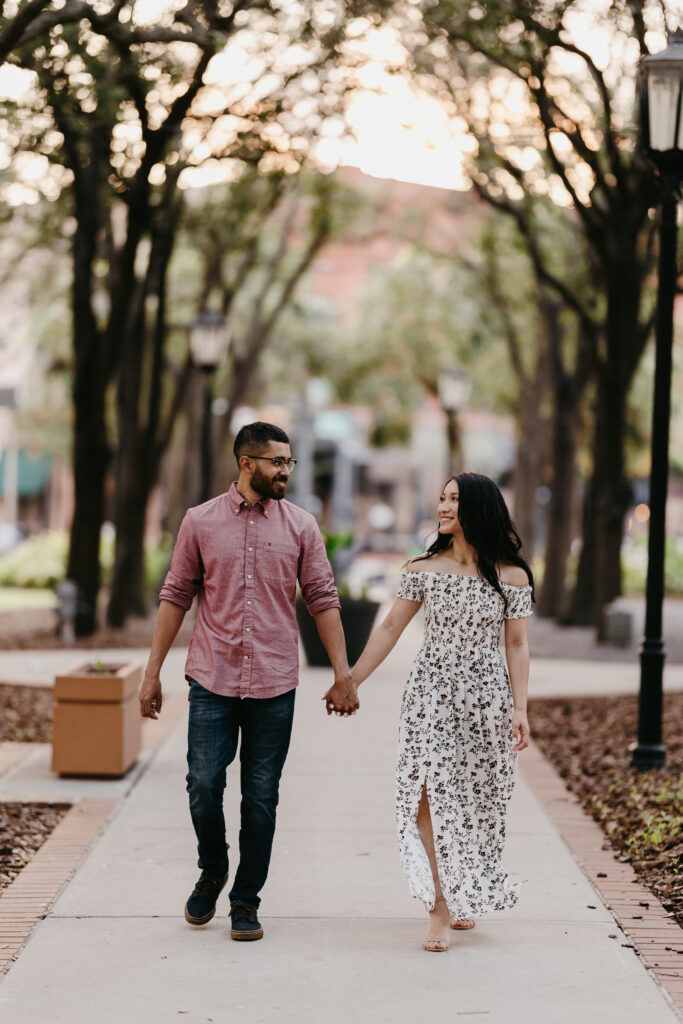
{"x": 456, "y": 734}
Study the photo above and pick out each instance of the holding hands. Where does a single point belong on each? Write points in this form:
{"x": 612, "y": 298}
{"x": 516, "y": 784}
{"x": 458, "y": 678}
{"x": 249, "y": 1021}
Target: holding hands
{"x": 342, "y": 696}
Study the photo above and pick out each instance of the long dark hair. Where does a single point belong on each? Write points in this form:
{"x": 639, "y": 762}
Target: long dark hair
{"x": 487, "y": 527}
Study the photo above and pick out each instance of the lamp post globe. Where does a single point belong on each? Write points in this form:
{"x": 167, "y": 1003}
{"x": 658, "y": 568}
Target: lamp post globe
{"x": 209, "y": 340}
{"x": 662, "y": 107}
{"x": 662, "y": 142}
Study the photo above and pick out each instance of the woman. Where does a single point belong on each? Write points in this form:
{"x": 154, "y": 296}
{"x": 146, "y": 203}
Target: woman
{"x": 463, "y": 717}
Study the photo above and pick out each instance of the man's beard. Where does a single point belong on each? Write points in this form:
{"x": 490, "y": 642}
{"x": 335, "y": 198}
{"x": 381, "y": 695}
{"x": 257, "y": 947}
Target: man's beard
{"x": 268, "y": 488}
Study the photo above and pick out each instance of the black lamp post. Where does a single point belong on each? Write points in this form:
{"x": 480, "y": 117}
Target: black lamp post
{"x": 662, "y": 142}
{"x": 209, "y": 341}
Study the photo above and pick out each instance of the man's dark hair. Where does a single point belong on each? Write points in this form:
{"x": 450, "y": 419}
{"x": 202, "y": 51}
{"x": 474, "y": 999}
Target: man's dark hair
{"x": 254, "y": 438}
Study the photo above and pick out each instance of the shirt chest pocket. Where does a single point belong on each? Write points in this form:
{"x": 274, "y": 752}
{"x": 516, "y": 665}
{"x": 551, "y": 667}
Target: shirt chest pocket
{"x": 279, "y": 564}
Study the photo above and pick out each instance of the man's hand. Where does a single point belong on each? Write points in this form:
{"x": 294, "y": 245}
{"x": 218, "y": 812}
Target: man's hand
{"x": 342, "y": 697}
{"x": 150, "y": 696}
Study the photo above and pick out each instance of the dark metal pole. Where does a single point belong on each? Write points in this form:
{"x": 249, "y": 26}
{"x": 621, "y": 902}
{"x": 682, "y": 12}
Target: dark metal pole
{"x": 206, "y": 459}
{"x": 650, "y": 752}
{"x": 454, "y": 438}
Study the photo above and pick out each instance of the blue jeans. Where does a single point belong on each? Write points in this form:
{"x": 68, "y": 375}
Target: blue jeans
{"x": 215, "y": 725}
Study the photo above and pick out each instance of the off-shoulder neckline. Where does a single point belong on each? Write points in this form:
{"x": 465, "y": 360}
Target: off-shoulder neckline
{"x": 461, "y": 575}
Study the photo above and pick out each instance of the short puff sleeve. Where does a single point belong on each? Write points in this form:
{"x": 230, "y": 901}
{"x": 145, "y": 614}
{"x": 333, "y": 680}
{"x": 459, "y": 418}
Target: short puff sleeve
{"x": 411, "y": 587}
{"x": 519, "y": 602}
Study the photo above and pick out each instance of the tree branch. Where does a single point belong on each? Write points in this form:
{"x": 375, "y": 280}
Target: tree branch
{"x": 542, "y": 271}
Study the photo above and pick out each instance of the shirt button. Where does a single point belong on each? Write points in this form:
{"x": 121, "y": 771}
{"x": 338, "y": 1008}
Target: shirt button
{"x": 249, "y": 577}
{"x": 248, "y": 629}
{"x": 250, "y": 549}
{"x": 246, "y": 657}
{"x": 251, "y": 522}
{"x": 248, "y": 602}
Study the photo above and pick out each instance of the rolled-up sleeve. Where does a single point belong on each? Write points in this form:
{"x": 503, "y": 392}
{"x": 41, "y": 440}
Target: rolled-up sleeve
{"x": 315, "y": 574}
{"x": 184, "y": 578}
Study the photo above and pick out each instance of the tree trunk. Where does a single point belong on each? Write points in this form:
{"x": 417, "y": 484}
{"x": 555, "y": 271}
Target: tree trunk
{"x": 90, "y": 449}
{"x": 581, "y": 607}
{"x": 527, "y": 478}
{"x": 612, "y": 497}
{"x": 128, "y": 583}
{"x": 558, "y": 523}
{"x": 132, "y": 479}
{"x": 140, "y": 450}
{"x": 625, "y": 343}
{"x": 531, "y": 453}
{"x": 567, "y": 391}
{"x": 609, "y": 492}
{"x": 89, "y": 464}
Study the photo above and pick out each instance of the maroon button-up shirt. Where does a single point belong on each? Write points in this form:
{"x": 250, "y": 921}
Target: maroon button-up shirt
{"x": 242, "y": 561}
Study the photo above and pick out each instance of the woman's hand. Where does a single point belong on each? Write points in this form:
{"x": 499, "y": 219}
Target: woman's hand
{"x": 520, "y": 730}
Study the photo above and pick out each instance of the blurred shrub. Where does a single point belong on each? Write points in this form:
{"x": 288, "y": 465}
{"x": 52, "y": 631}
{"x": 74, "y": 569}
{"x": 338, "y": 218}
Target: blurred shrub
{"x": 40, "y": 561}
{"x": 634, "y": 566}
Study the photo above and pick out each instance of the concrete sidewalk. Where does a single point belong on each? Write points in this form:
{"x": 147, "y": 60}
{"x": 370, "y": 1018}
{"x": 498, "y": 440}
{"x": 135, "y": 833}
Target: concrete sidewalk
{"x": 342, "y": 935}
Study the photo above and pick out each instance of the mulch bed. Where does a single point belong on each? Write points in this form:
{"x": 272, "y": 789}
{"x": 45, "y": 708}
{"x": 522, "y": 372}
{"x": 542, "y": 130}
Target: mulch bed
{"x": 36, "y": 629}
{"x": 25, "y": 716}
{"x": 25, "y": 713}
{"x": 587, "y": 740}
{"x": 23, "y": 830}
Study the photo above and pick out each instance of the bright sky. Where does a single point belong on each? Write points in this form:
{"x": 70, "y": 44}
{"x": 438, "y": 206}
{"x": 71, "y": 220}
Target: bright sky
{"x": 397, "y": 132}
{"x": 400, "y": 135}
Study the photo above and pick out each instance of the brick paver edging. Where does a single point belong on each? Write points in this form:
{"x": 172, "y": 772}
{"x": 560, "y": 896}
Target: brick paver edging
{"x": 29, "y": 897}
{"x": 653, "y": 931}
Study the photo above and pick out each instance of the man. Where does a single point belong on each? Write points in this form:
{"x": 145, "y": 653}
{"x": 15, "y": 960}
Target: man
{"x": 241, "y": 554}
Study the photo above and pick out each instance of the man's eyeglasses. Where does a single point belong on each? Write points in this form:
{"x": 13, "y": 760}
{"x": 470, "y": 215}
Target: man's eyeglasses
{"x": 280, "y": 461}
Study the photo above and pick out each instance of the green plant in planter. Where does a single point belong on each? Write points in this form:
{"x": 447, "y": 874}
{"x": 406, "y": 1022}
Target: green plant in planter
{"x": 357, "y": 613}
{"x": 336, "y": 541}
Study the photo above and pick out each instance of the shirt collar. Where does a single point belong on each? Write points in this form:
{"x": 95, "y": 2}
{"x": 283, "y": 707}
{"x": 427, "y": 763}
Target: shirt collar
{"x": 237, "y": 502}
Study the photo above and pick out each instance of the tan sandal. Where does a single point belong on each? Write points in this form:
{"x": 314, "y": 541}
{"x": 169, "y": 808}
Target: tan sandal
{"x": 436, "y": 945}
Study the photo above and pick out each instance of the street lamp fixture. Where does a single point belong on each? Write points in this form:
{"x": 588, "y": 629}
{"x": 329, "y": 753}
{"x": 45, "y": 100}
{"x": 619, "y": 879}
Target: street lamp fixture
{"x": 454, "y": 386}
{"x": 662, "y": 143}
{"x": 209, "y": 340}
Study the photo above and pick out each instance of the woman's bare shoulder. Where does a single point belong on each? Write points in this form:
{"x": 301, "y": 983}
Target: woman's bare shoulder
{"x": 513, "y": 575}
{"x": 416, "y": 564}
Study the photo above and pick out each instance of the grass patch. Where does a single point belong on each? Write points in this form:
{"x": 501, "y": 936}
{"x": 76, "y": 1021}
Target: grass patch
{"x": 16, "y": 599}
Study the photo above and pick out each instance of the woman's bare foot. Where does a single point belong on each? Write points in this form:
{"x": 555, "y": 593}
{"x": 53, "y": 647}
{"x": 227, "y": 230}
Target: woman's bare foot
{"x": 463, "y": 925}
{"x": 436, "y": 940}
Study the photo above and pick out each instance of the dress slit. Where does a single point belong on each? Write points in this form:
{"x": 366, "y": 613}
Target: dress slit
{"x": 441, "y": 868}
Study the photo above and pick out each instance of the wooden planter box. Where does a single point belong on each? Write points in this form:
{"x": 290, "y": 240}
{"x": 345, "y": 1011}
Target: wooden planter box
{"x": 97, "y": 725}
